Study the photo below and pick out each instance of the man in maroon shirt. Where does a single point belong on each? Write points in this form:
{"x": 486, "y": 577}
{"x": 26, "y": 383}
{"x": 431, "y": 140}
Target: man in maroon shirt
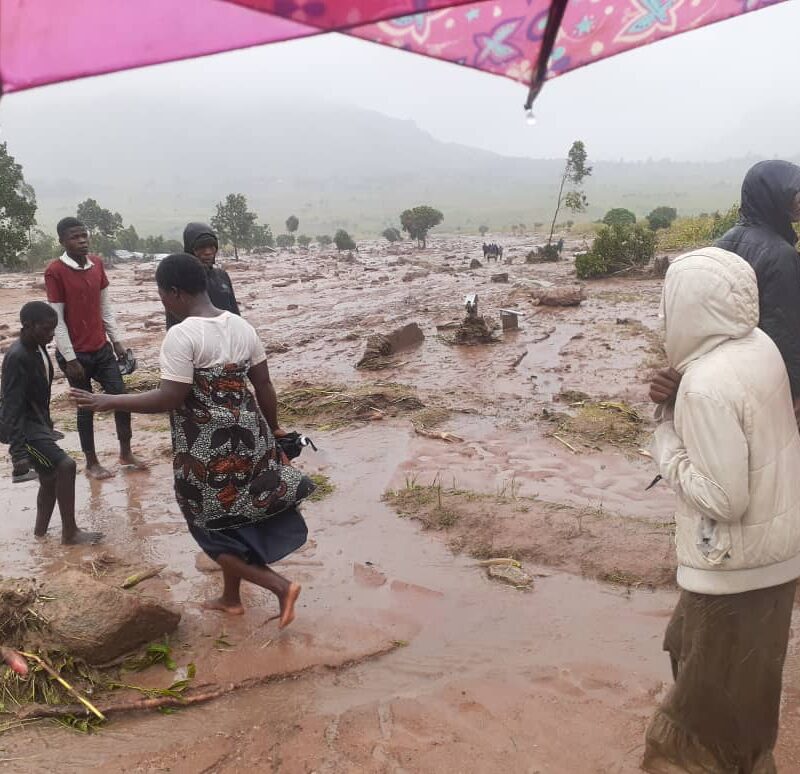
{"x": 87, "y": 341}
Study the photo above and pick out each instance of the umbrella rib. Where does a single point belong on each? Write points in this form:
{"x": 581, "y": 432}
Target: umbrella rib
{"x": 554, "y": 18}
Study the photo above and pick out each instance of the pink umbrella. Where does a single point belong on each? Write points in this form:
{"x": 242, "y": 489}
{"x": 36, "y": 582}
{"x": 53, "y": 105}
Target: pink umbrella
{"x": 48, "y": 41}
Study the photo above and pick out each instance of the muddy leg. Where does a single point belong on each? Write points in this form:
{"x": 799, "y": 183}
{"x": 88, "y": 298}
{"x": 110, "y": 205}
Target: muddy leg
{"x": 286, "y": 591}
{"x": 231, "y": 601}
{"x": 45, "y": 503}
{"x": 65, "y": 494}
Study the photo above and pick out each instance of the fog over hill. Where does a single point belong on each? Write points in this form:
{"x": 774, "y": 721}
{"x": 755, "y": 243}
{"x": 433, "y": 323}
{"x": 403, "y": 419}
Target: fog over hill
{"x": 162, "y": 162}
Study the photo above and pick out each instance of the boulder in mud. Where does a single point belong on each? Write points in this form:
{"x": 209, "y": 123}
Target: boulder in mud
{"x": 415, "y": 275}
{"x": 502, "y": 277}
{"x": 564, "y": 295}
{"x": 97, "y": 622}
{"x": 380, "y": 347}
{"x": 475, "y": 264}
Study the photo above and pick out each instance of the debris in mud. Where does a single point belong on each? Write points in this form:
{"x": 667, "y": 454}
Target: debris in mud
{"x": 588, "y": 541}
{"x": 604, "y": 422}
{"x": 509, "y": 319}
{"x": 511, "y": 573}
{"x": 415, "y": 275}
{"x": 142, "y": 380}
{"x": 436, "y": 435}
{"x": 324, "y": 487}
{"x": 475, "y": 330}
{"x": 380, "y": 348}
{"x": 565, "y": 295}
{"x": 475, "y": 264}
{"x": 500, "y": 278}
{"x": 335, "y": 406}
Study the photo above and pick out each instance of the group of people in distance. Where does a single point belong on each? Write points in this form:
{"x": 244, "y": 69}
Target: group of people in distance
{"x": 492, "y": 252}
{"x": 235, "y": 487}
{"x": 726, "y": 441}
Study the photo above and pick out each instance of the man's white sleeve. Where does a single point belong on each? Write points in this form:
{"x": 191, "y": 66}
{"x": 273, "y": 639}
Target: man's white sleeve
{"x": 63, "y": 342}
{"x": 109, "y": 319}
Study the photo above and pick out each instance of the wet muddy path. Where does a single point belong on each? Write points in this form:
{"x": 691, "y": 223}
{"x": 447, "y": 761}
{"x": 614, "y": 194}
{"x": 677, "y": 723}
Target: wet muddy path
{"x": 404, "y": 656}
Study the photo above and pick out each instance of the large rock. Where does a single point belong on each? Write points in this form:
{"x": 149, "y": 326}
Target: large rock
{"x": 380, "y": 347}
{"x": 565, "y": 295}
{"x": 97, "y": 622}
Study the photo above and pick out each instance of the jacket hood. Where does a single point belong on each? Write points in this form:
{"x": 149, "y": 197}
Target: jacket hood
{"x": 768, "y": 192}
{"x": 193, "y": 232}
{"x": 710, "y": 296}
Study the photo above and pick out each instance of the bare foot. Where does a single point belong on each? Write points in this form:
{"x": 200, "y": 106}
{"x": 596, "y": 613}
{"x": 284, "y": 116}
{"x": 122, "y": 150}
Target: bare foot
{"x": 132, "y": 462}
{"x": 224, "y": 606}
{"x": 287, "y": 602}
{"x": 81, "y": 538}
{"x": 98, "y": 472}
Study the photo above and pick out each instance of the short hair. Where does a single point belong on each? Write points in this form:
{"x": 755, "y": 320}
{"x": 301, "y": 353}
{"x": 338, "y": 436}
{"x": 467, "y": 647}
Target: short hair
{"x": 181, "y": 271}
{"x": 65, "y": 224}
{"x": 36, "y": 311}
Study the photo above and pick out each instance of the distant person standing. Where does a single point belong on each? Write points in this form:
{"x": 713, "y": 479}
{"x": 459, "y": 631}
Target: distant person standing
{"x": 765, "y": 238}
{"x": 200, "y": 240}
{"x": 87, "y": 341}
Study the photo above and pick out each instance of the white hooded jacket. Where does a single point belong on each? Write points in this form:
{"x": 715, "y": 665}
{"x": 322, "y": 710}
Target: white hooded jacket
{"x": 731, "y": 448}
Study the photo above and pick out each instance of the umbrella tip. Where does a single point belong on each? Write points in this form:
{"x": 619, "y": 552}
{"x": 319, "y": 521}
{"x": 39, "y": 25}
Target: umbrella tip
{"x": 530, "y": 118}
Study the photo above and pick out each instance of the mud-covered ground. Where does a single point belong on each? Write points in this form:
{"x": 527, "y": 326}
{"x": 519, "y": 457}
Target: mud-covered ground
{"x": 405, "y": 657}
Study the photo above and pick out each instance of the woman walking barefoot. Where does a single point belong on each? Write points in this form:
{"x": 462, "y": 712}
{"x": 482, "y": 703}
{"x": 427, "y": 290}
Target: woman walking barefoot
{"x": 235, "y": 488}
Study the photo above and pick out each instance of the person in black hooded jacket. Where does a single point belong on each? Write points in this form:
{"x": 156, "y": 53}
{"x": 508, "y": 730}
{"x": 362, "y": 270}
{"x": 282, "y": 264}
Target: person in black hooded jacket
{"x": 765, "y": 238}
{"x": 200, "y": 240}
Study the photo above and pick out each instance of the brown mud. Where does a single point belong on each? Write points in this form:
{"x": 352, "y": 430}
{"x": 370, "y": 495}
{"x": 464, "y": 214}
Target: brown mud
{"x": 404, "y": 656}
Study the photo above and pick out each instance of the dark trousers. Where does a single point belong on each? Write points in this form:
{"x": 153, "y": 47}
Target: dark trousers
{"x": 101, "y": 367}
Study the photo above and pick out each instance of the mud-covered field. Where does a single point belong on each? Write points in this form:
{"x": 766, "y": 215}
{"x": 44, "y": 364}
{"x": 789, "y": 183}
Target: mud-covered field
{"x": 405, "y": 656}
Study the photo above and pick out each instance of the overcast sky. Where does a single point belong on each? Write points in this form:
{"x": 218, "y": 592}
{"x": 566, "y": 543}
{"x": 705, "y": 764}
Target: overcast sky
{"x": 726, "y": 90}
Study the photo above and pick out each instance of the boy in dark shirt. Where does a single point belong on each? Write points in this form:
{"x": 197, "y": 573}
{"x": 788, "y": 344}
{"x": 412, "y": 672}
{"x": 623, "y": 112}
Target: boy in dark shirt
{"x": 201, "y": 241}
{"x": 26, "y": 426}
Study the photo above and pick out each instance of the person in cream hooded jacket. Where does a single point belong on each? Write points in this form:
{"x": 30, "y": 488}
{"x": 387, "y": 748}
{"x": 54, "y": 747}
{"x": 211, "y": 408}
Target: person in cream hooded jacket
{"x": 730, "y": 449}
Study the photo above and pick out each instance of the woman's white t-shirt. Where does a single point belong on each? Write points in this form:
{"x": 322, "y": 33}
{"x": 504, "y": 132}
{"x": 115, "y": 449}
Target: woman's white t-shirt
{"x": 206, "y": 342}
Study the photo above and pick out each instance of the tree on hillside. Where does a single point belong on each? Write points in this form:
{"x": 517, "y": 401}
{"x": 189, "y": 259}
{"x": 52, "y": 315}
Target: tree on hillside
{"x": 128, "y": 239}
{"x": 419, "y": 221}
{"x": 283, "y": 241}
{"x": 153, "y": 245}
{"x": 292, "y": 223}
{"x": 575, "y": 172}
{"x": 234, "y": 222}
{"x": 392, "y": 234}
{"x": 17, "y": 209}
{"x": 662, "y": 217}
{"x": 324, "y": 240}
{"x": 98, "y": 220}
{"x": 619, "y": 216}
{"x": 304, "y": 241}
{"x": 343, "y": 241}
{"x": 43, "y": 248}
{"x": 483, "y": 230}
{"x": 261, "y": 236}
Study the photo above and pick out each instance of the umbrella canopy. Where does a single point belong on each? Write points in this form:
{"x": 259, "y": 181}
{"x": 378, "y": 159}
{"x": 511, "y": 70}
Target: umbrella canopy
{"x": 48, "y": 41}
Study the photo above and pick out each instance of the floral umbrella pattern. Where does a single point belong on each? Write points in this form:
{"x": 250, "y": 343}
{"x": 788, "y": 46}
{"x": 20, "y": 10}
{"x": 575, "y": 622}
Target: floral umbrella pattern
{"x": 47, "y": 41}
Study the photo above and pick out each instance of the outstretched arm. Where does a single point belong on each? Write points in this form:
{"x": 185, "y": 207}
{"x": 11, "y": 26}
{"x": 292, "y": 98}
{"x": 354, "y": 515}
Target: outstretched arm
{"x": 168, "y": 397}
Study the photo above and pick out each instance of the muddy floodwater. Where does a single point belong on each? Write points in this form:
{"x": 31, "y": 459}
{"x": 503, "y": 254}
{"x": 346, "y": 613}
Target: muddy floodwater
{"x": 405, "y": 656}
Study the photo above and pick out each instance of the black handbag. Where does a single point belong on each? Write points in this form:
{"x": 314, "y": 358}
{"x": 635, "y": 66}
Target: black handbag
{"x": 292, "y": 444}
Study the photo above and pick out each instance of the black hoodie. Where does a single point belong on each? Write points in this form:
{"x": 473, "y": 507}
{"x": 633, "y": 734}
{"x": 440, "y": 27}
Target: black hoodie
{"x": 220, "y": 287}
{"x": 764, "y": 237}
